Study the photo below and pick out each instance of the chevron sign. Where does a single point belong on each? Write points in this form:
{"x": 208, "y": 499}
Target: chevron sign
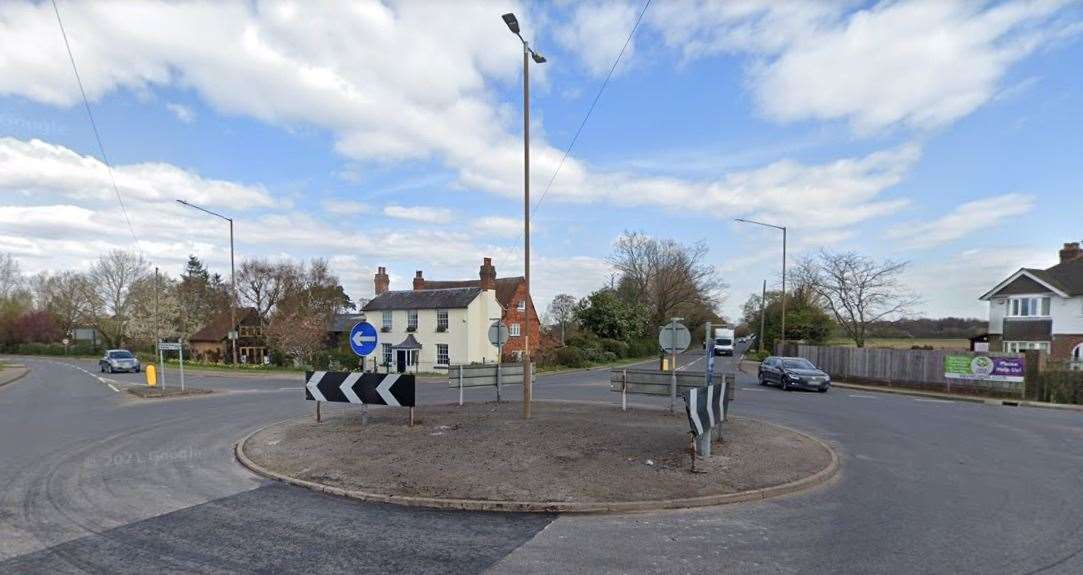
{"x": 704, "y": 407}
{"x": 393, "y": 389}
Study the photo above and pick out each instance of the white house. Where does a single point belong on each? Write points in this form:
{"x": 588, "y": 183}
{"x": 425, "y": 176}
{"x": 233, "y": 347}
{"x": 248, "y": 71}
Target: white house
{"x": 433, "y": 326}
{"x": 1040, "y": 309}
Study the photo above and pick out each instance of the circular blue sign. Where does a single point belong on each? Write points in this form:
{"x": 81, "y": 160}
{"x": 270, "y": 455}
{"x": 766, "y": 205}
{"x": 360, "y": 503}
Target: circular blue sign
{"x": 363, "y": 338}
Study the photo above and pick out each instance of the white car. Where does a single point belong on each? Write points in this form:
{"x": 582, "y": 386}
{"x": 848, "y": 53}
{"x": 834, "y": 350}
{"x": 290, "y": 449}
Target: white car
{"x": 116, "y": 360}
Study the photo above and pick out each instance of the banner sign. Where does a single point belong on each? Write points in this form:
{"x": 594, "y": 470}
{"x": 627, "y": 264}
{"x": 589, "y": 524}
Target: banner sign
{"x": 983, "y": 367}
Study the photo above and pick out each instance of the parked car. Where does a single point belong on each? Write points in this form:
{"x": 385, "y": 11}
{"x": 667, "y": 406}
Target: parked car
{"x": 793, "y": 373}
{"x": 116, "y": 360}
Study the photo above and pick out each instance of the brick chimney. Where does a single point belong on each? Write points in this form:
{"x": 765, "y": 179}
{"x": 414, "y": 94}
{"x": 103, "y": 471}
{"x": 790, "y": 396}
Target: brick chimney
{"x": 419, "y": 282}
{"x": 487, "y": 273}
{"x": 1071, "y": 252}
{"x": 381, "y": 281}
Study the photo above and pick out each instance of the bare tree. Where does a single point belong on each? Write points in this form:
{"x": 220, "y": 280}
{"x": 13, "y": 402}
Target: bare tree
{"x": 667, "y": 277}
{"x": 262, "y": 284}
{"x": 11, "y": 277}
{"x": 111, "y": 281}
{"x": 856, "y": 290}
{"x": 68, "y": 296}
{"x": 311, "y": 297}
{"x": 562, "y": 310}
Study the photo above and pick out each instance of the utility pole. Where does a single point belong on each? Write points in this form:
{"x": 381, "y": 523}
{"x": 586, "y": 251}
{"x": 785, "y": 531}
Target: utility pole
{"x": 763, "y": 316}
{"x": 528, "y": 54}
{"x": 160, "y": 372}
{"x": 783, "y": 228}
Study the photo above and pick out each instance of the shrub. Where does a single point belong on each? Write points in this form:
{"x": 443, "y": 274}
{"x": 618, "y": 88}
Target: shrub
{"x": 643, "y": 347}
{"x": 616, "y": 347}
{"x": 571, "y": 357}
{"x": 756, "y": 355}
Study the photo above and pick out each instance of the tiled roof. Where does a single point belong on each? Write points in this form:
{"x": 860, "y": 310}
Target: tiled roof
{"x": 1068, "y": 276}
{"x": 218, "y": 327}
{"x": 505, "y": 287}
{"x": 445, "y": 298}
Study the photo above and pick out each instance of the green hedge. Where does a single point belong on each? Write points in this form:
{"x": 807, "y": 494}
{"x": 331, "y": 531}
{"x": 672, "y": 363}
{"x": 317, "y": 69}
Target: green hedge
{"x": 53, "y": 349}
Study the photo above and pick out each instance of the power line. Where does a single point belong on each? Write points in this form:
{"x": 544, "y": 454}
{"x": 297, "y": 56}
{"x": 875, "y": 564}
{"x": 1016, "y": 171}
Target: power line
{"x": 592, "y": 104}
{"x": 94, "y": 127}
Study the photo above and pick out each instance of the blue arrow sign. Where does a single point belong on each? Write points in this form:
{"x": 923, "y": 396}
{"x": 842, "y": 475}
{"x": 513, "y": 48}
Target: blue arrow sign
{"x": 363, "y": 338}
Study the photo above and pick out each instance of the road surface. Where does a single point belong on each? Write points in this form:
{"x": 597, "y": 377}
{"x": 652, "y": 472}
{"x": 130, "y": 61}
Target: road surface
{"x": 96, "y": 482}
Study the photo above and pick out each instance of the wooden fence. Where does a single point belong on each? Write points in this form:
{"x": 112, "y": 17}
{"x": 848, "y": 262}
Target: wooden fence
{"x": 923, "y": 369}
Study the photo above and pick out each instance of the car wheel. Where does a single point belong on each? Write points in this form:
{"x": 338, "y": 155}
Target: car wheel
{"x": 108, "y": 369}
{"x": 136, "y": 370}
{"x": 761, "y": 378}
{"x": 783, "y": 384}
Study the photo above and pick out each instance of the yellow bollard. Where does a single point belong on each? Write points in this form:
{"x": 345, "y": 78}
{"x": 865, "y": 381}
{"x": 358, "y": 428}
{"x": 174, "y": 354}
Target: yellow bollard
{"x": 152, "y": 375}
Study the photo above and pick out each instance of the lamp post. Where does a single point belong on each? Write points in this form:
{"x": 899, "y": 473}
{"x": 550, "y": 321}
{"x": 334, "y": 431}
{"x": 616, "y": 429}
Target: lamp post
{"x": 232, "y": 277}
{"x": 783, "y": 228}
{"x": 528, "y": 54}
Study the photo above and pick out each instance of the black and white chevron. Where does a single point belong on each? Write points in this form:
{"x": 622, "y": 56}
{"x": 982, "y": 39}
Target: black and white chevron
{"x": 704, "y": 407}
{"x": 395, "y": 389}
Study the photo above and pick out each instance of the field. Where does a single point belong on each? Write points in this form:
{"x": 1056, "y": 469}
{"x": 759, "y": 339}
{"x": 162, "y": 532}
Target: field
{"x": 907, "y": 342}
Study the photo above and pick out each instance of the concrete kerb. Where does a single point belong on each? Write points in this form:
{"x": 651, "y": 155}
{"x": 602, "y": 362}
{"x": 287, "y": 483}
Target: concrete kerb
{"x": 20, "y": 372}
{"x": 819, "y": 478}
{"x": 945, "y": 396}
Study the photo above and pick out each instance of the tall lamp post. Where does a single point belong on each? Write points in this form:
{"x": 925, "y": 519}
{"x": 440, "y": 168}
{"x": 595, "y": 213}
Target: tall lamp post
{"x": 232, "y": 277}
{"x": 783, "y": 228}
{"x": 528, "y": 54}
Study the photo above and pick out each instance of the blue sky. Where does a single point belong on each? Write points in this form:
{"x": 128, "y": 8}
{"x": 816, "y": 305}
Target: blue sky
{"x": 946, "y": 134}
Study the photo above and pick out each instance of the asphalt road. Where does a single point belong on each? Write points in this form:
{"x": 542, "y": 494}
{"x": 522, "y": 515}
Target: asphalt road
{"x": 97, "y": 482}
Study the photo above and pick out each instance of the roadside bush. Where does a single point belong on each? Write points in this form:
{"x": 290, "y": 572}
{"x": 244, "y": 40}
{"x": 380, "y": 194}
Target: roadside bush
{"x": 616, "y": 347}
{"x": 606, "y": 357}
{"x": 756, "y": 355}
{"x": 643, "y": 347}
{"x": 54, "y": 349}
{"x": 571, "y": 357}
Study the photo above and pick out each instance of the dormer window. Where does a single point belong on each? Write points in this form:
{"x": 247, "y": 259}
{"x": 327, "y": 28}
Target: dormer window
{"x": 1036, "y": 306}
{"x": 521, "y": 306}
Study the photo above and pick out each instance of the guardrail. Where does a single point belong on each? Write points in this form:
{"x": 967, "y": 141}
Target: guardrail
{"x": 654, "y": 382}
{"x": 485, "y": 375}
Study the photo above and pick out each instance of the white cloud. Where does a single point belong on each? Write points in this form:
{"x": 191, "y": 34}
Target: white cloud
{"x": 922, "y": 64}
{"x": 498, "y": 226}
{"x": 37, "y": 167}
{"x": 182, "y": 112}
{"x": 345, "y": 207}
{"x": 425, "y": 214}
{"x": 976, "y": 216}
{"x": 597, "y": 31}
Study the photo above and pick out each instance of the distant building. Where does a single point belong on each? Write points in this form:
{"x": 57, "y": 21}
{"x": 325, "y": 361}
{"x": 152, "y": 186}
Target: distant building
{"x": 441, "y": 323}
{"x": 211, "y": 344}
{"x": 1040, "y": 309}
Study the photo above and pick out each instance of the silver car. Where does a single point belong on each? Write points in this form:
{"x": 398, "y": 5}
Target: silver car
{"x": 117, "y": 360}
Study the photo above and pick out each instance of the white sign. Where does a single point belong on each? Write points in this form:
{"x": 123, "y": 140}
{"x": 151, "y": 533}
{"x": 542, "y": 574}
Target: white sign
{"x": 674, "y": 337}
{"x": 169, "y": 346}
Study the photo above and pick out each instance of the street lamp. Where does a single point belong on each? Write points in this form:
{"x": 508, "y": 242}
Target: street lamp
{"x": 232, "y": 276}
{"x": 783, "y": 228}
{"x": 528, "y": 54}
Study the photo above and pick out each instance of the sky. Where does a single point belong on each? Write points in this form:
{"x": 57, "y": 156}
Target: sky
{"x": 946, "y": 134}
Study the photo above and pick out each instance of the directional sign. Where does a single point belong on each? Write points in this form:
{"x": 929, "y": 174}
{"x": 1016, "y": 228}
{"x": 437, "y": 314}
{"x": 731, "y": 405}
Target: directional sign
{"x": 704, "y": 407}
{"x": 498, "y": 333}
{"x": 392, "y": 389}
{"x": 169, "y": 346}
{"x": 363, "y": 338}
{"x": 674, "y": 337}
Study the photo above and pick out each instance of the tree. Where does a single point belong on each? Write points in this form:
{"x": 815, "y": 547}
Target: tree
{"x": 261, "y": 284}
{"x": 11, "y": 277}
{"x": 200, "y": 296}
{"x": 806, "y": 320}
{"x": 667, "y": 278}
{"x": 562, "y": 311}
{"x": 608, "y": 315}
{"x": 312, "y": 297}
{"x": 37, "y": 326}
{"x": 856, "y": 290}
{"x": 111, "y": 281}
{"x": 68, "y": 296}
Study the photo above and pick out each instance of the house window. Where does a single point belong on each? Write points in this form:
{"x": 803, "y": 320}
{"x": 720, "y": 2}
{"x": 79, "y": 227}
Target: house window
{"x": 442, "y": 354}
{"x": 513, "y": 330}
{"x": 387, "y": 321}
{"x": 1077, "y": 353}
{"x": 521, "y": 306}
{"x": 1021, "y": 346}
{"x": 387, "y": 353}
{"x": 251, "y": 331}
{"x": 1028, "y": 307}
{"x": 411, "y": 320}
{"x": 441, "y": 320}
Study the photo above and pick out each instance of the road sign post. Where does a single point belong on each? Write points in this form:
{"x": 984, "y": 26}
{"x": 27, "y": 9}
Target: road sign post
{"x": 674, "y": 338}
{"x": 498, "y": 336}
{"x": 172, "y": 346}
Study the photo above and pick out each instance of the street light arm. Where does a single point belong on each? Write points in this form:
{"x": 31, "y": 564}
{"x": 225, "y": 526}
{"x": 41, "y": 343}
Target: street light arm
{"x": 205, "y": 210}
{"x": 759, "y": 223}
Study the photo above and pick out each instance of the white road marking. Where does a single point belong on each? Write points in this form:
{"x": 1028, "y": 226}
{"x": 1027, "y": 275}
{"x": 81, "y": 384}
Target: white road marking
{"x": 934, "y": 400}
{"x": 113, "y": 388}
{"x": 862, "y": 396}
{"x": 752, "y": 389}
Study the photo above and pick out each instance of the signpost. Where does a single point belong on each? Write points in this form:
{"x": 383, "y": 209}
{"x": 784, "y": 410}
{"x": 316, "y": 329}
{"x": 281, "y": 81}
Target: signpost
{"x": 393, "y": 389}
{"x": 704, "y": 408}
{"x": 363, "y": 338}
{"x": 674, "y": 338}
{"x": 498, "y": 336}
{"x": 177, "y": 347}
